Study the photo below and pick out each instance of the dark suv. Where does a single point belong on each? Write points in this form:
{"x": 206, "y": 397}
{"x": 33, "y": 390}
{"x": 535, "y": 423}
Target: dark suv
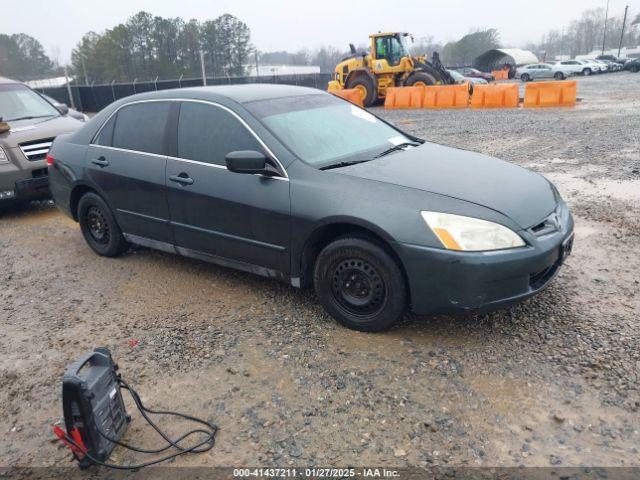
{"x": 298, "y": 185}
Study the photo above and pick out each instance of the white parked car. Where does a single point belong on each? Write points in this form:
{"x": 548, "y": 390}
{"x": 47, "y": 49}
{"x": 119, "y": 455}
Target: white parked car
{"x": 537, "y": 71}
{"x": 590, "y": 66}
{"x": 604, "y": 67}
{"x": 576, "y": 67}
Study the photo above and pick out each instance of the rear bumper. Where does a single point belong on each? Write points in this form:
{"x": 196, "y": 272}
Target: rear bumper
{"x": 444, "y": 281}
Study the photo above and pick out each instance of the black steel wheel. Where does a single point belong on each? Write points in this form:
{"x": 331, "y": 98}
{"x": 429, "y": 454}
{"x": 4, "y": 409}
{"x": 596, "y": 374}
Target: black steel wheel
{"x": 360, "y": 284}
{"x": 99, "y": 226}
{"x": 357, "y": 287}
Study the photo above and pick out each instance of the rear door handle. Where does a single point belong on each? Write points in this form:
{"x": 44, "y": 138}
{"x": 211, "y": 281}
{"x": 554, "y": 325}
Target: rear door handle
{"x": 182, "y": 179}
{"x": 100, "y": 161}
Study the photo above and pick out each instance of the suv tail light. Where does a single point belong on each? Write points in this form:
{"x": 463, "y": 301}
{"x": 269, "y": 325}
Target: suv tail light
{"x": 50, "y": 160}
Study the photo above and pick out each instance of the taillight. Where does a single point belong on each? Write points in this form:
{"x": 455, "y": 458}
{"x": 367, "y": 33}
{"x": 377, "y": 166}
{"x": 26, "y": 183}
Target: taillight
{"x": 50, "y": 160}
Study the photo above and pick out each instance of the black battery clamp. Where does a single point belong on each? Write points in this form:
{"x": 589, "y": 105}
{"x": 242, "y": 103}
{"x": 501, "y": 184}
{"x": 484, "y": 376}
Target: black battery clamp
{"x": 96, "y": 419}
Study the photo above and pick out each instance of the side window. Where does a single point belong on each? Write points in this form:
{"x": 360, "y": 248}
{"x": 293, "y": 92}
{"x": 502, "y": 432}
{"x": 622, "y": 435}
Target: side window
{"x": 206, "y": 133}
{"x": 141, "y": 127}
{"x": 105, "y": 136}
{"x": 381, "y": 48}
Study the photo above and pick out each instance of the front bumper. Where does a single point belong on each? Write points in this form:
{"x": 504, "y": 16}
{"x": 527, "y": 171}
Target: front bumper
{"x": 445, "y": 281}
{"x": 25, "y": 190}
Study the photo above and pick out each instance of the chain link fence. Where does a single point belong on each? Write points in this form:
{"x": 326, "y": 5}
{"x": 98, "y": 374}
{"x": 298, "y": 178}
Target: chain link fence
{"x": 93, "y": 98}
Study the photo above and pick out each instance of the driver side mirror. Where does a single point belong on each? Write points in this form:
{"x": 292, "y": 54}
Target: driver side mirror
{"x": 246, "y": 161}
{"x": 63, "y": 108}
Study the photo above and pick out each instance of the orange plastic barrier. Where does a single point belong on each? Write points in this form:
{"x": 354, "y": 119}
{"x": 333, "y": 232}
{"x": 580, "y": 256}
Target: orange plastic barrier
{"x": 495, "y": 95}
{"x": 550, "y": 94}
{"x": 351, "y": 94}
{"x": 433, "y": 96}
{"x": 404, "y": 97}
{"x": 446, "y": 96}
{"x": 500, "y": 74}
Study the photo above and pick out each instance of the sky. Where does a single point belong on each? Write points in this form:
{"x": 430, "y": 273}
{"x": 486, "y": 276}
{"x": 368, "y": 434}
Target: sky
{"x": 295, "y": 24}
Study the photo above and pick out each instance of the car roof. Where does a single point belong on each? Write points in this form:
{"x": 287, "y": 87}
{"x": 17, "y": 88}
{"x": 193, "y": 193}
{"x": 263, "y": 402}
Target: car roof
{"x": 4, "y": 80}
{"x": 237, "y": 93}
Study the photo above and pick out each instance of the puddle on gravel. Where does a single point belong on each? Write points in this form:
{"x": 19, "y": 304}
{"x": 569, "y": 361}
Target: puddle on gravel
{"x": 621, "y": 190}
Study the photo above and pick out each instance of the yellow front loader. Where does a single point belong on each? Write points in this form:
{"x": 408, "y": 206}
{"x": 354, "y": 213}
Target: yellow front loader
{"x": 387, "y": 64}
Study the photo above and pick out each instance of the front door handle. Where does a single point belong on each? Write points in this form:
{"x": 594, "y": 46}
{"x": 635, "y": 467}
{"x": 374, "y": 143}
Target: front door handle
{"x": 100, "y": 161}
{"x": 183, "y": 179}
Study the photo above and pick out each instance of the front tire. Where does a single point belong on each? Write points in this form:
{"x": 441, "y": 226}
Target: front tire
{"x": 558, "y": 76}
{"x": 586, "y": 72}
{"x": 360, "y": 284}
{"x": 366, "y": 87}
{"x": 420, "y": 79}
{"x": 634, "y": 69}
{"x": 99, "y": 227}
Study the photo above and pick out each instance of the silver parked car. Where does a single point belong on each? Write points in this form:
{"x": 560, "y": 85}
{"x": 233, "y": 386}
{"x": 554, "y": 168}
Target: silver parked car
{"x": 459, "y": 78}
{"x": 28, "y": 126}
{"x": 65, "y": 110}
{"x": 540, "y": 71}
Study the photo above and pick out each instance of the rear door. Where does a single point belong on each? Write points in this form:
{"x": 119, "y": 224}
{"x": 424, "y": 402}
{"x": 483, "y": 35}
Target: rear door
{"x": 235, "y": 216}
{"x": 127, "y": 162}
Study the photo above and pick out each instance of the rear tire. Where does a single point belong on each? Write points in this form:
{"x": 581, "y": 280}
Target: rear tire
{"x": 525, "y": 77}
{"x": 420, "y": 78}
{"x": 558, "y": 76}
{"x": 99, "y": 227}
{"x": 367, "y": 88}
{"x": 360, "y": 284}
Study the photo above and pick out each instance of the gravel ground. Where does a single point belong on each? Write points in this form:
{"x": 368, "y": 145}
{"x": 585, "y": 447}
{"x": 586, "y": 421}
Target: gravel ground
{"x": 552, "y": 381}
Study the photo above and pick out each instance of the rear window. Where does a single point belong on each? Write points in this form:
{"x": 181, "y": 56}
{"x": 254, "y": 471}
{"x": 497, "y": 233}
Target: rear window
{"x": 141, "y": 127}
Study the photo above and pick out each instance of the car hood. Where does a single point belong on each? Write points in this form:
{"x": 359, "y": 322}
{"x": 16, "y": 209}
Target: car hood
{"x": 520, "y": 194}
{"x": 36, "y": 129}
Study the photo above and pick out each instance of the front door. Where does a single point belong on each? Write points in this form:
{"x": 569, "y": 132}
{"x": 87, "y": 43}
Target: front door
{"x": 239, "y": 217}
{"x": 127, "y": 163}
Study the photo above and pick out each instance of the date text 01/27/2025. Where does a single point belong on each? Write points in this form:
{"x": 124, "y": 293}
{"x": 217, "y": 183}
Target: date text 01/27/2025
{"x": 315, "y": 472}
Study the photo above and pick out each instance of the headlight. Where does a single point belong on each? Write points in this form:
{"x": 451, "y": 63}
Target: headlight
{"x": 3, "y": 156}
{"x": 470, "y": 234}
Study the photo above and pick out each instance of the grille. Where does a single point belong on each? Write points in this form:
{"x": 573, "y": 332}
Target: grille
{"x": 548, "y": 225}
{"x": 36, "y": 149}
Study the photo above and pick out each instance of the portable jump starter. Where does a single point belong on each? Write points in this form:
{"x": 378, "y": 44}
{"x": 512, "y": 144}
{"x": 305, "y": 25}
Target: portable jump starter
{"x": 91, "y": 399}
{"x": 96, "y": 419}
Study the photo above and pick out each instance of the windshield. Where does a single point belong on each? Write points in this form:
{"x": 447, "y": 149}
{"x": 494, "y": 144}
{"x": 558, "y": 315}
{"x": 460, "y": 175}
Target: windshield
{"x": 404, "y": 42}
{"x": 20, "y": 102}
{"x": 322, "y": 129}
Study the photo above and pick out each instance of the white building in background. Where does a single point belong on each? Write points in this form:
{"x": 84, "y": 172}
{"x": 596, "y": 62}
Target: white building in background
{"x": 267, "y": 70}
{"x": 625, "y": 52}
{"x": 48, "y": 82}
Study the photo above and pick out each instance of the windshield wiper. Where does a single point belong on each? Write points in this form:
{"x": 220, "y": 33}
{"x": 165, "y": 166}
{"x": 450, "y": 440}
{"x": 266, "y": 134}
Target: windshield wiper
{"x": 29, "y": 118}
{"x": 396, "y": 148}
{"x": 343, "y": 164}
